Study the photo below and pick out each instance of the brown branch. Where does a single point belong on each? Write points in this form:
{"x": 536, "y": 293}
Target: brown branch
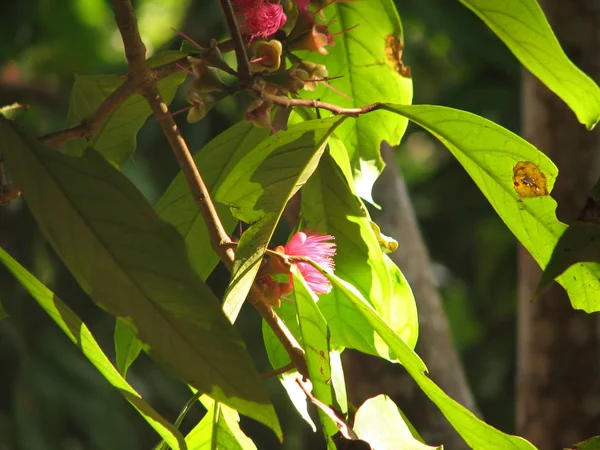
{"x": 140, "y": 74}
{"x": 275, "y": 372}
{"x": 287, "y": 102}
{"x": 345, "y": 429}
{"x": 244, "y": 70}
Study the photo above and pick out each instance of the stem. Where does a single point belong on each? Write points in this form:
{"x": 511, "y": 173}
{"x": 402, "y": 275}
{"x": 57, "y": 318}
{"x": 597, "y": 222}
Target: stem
{"x": 186, "y": 408}
{"x": 244, "y": 71}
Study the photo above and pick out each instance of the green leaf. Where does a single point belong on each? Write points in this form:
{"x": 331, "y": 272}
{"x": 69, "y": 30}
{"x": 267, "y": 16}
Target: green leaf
{"x": 80, "y": 335}
{"x": 524, "y": 29}
{"x": 258, "y": 188}
{"x": 127, "y": 345}
{"x": 478, "y": 434}
{"x": 218, "y": 429}
{"x": 214, "y": 162}
{"x": 135, "y": 265}
{"x": 330, "y": 204}
{"x": 367, "y": 57}
{"x": 315, "y": 341}
{"x": 589, "y": 444}
{"x": 379, "y": 422}
{"x": 116, "y": 139}
{"x": 489, "y": 154}
{"x": 579, "y": 243}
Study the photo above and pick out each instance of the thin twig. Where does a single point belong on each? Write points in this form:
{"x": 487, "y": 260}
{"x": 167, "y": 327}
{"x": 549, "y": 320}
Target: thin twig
{"x": 345, "y": 429}
{"x": 335, "y": 109}
{"x": 275, "y": 372}
{"x": 244, "y": 70}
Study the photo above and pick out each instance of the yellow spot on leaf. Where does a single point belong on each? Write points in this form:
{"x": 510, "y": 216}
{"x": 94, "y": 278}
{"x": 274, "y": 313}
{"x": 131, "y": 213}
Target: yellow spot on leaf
{"x": 528, "y": 180}
{"x": 393, "y": 51}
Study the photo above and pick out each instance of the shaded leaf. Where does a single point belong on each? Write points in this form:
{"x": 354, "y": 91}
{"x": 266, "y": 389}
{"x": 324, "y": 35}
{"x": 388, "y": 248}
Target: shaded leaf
{"x": 258, "y": 188}
{"x": 489, "y": 154}
{"x": 3, "y": 313}
{"x": 80, "y": 335}
{"x": 116, "y": 139}
{"x": 214, "y": 162}
{"x": 369, "y": 60}
{"x": 135, "y": 265}
{"x": 589, "y": 444}
{"x": 379, "y": 423}
{"x": 127, "y": 345}
{"x": 524, "y": 29}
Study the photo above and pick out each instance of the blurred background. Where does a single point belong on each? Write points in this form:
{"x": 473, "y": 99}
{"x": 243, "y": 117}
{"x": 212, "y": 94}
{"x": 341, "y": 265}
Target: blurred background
{"x": 50, "y": 395}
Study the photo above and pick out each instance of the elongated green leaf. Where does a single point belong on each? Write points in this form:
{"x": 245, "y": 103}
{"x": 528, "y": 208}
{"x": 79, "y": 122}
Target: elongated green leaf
{"x": 329, "y": 204}
{"x": 315, "y": 340}
{"x": 135, "y": 265}
{"x": 219, "y": 429}
{"x": 214, "y": 162}
{"x": 478, "y": 434}
{"x": 258, "y": 188}
{"x": 369, "y": 59}
{"x": 379, "y": 423}
{"x": 489, "y": 154}
{"x": 115, "y": 140}
{"x": 524, "y": 29}
{"x": 127, "y": 346}
{"x": 78, "y": 332}
{"x": 278, "y": 357}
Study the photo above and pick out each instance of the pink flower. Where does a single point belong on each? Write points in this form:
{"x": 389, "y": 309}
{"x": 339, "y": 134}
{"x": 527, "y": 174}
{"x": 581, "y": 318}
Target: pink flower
{"x": 321, "y": 250}
{"x": 259, "y": 18}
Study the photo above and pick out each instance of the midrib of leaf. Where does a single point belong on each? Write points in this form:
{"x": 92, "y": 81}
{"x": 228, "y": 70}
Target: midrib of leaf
{"x": 123, "y": 269}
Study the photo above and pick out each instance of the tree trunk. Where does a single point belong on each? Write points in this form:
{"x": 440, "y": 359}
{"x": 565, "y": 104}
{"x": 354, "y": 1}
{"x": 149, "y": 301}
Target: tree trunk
{"x": 558, "y": 373}
{"x": 368, "y": 376}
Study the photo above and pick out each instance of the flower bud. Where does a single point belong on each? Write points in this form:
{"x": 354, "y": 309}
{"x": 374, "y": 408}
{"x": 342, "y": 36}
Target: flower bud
{"x": 208, "y": 78}
{"x": 266, "y": 55}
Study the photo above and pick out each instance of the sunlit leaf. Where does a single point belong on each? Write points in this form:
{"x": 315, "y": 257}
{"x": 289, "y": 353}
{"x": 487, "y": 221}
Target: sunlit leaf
{"x": 523, "y": 27}
{"x": 478, "y": 434}
{"x": 218, "y": 429}
{"x": 127, "y": 345}
{"x": 214, "y": 162}
{"x": 116, "y": 138}
{"x": 379, "y": 423}
{"x": 369, "y": 60}
{"x": 330, "y": 205}
{"x": 135, "y": 265}
{"x": 78, "y": 332}
{"x": 315, "y": 340}
{"x": 258, "y": 188}
{"x": 489, "y": 154}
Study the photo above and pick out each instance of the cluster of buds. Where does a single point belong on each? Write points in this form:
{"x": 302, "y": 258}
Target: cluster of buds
{"x": 273, "y": 29}
{"x": 318, "y": 247}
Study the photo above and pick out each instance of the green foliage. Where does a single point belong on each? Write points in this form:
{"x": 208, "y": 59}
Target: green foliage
{"x": 330, "y": 205}
{"x": 218, "y": 429}
{"x": 137, "y": 268}
{"x": 127, "y": 345}
{"x": 80, "y": 335}
{"x": 116, "y": 139}
{"x": 214, "y": 162}
{"x": 589, "y": 444}
{"x": 368, "y": 58}
{"x": 489, "y": 154}
{"x": 257, "y": 189}
{"x": 523, "y": 27}
{"x": 379, "y": 422}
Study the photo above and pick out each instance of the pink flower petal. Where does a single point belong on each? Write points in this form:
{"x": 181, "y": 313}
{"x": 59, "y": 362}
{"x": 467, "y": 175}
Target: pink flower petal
{"x": 321, "y": 250}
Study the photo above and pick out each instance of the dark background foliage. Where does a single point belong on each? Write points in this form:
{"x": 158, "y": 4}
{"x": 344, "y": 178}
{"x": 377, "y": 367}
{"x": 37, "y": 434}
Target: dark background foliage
{"x": 52, "y": 398}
